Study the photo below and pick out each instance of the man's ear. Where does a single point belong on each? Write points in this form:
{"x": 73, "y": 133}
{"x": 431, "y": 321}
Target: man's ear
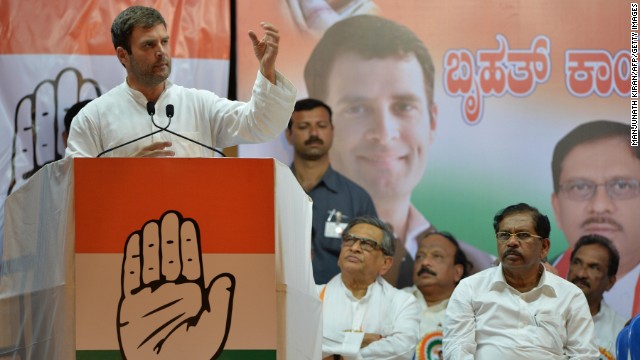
{"x": 123, "y": 56}
{"x": 546, "y": 246}
{"x": 386, "y": 265}
{"x": 287, "y": 135}
{"x": 556, "y": 210}
{"x": 458, "y": 270}
{"x": 433, "y": 115}
{"x": 612, "y": 281}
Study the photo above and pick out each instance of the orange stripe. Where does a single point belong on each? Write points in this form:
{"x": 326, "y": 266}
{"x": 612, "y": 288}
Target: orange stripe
{"x": 231, "y": 200}
{"x": 198, "y": 29}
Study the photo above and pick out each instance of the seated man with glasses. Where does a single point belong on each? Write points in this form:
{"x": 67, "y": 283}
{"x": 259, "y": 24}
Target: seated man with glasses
{"x": 517, "y": 310}
{"x": 364, "y": 317}
{"x": 596, "y": 182}
{"x": 594, "y": 264}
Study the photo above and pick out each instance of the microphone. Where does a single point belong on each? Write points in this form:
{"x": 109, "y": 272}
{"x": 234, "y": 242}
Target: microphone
{"x": 169, "y": 110}
{"x": 151, "y": 110}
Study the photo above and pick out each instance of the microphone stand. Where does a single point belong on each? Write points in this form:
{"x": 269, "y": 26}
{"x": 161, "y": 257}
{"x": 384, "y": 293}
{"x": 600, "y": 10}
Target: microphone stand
{"x": 169, "y": 110}
{"x": 140, "y": 138}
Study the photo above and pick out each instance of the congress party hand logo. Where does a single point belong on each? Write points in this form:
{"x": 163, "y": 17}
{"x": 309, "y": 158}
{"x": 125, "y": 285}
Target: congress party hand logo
{"x": 165, "y": 309}
{"x": 39, "y": 122}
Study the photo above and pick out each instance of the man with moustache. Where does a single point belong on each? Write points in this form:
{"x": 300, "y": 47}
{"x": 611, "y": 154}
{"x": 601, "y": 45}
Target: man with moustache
{"x": 439, "y": 266}
{"x": 142, "y": 45}
{"x": 518, "y": 310}
{"x": 596, "y": 181}
{"x": 378, "y": 77}
{"x": 364, "y": 317}
{"x": 594, "y": 264}
{"x": 336, "y": 199}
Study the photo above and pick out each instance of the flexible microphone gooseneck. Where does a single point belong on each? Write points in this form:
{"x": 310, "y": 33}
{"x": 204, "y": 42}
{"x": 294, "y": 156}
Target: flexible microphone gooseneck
{"x": 170, "y": 111}
{"x": 151, "y": 110}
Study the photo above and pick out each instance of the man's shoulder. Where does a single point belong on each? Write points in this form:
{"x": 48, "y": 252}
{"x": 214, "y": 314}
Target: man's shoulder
{"x": 391, "y": 292}
{"x": 343, "y": 183}
{"x": 115, "y": 92}
{"x": 562, "y": 286}
{"x": 485, "y": 275}
{"x": 102, "y": 104}
{"x": 479, "y": 283}
{"x": 610, "y": 315}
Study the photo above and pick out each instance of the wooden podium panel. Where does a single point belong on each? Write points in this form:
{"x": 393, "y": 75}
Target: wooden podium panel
{"x": 213, "y": 257}
{"x": 152, "y": 202}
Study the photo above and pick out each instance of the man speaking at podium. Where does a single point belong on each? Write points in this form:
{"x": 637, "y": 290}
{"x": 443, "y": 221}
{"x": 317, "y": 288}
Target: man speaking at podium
{"x": 123, "y": 122}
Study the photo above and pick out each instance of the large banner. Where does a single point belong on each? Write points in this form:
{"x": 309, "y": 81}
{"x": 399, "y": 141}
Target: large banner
{"x": 54, "y": 54}
{"x": 510, "y": 79}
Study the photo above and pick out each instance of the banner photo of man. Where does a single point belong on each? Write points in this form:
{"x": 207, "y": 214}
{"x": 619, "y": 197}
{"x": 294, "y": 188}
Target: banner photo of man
{"x": 446, "y": 111}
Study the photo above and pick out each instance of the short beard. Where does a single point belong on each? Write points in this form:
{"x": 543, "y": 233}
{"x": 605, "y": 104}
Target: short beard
{"x": 149, "y": 79}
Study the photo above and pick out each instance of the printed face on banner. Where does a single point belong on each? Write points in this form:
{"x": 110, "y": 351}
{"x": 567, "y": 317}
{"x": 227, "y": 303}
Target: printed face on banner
{"x": 382, "y": 122}
{"x": 598, "y": 162}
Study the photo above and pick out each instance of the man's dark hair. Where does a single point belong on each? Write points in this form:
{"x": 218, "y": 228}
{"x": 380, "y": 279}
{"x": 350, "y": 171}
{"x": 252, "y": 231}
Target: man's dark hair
{"x": 588, "y": 132}
{"x": 388, "y": 244}
{"x": 123, "y": 25}
{"x": 72, "y": 112}
{"x": 614, "y": 256}
{"x": 371, "y": 37}
{"x": 460, "y": 258}
{"x": 309, "y": 104}
{"x": 541, "y": 221}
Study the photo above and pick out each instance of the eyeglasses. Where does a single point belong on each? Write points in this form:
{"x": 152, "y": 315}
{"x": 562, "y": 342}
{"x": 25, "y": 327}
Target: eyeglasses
{"x": 581, "y": 190}
{"x": 367, "y": 245}
{"x": 504, "y": 236}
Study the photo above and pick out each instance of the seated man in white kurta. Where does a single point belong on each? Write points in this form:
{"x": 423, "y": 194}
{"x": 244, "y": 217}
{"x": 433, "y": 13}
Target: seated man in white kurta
{"x": 364, "y": 317}
{"x": 593, "y": 268}
{"x": 438, "y": 267}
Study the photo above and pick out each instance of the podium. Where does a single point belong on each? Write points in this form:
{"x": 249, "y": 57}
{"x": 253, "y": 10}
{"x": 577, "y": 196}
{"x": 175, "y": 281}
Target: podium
{"x": 161, "y": 259}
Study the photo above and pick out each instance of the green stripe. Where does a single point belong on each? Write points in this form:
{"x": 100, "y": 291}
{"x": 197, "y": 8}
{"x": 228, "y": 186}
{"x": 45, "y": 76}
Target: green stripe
{"x": 226, "y": 355}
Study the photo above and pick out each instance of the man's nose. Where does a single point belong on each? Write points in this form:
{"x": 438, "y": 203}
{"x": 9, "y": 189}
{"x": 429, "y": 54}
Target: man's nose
{"x": 163, "y": 49}
{"x": 385, "y": 126}
{"x": 513, "y": 241}
{"x": 581, "y": 271}
{"x": 601, "y": 202}
{"x": 356, "y": 246}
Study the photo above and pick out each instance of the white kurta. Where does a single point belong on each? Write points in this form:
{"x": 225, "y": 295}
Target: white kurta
{"x": 431, "y": 317}
{"x": 121, "y": 115}
{"x": 607, "y": 324}
{"x": 384, "y": 310}
{"x": 431, "y": 323}
{"x": 488, "y": 319}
